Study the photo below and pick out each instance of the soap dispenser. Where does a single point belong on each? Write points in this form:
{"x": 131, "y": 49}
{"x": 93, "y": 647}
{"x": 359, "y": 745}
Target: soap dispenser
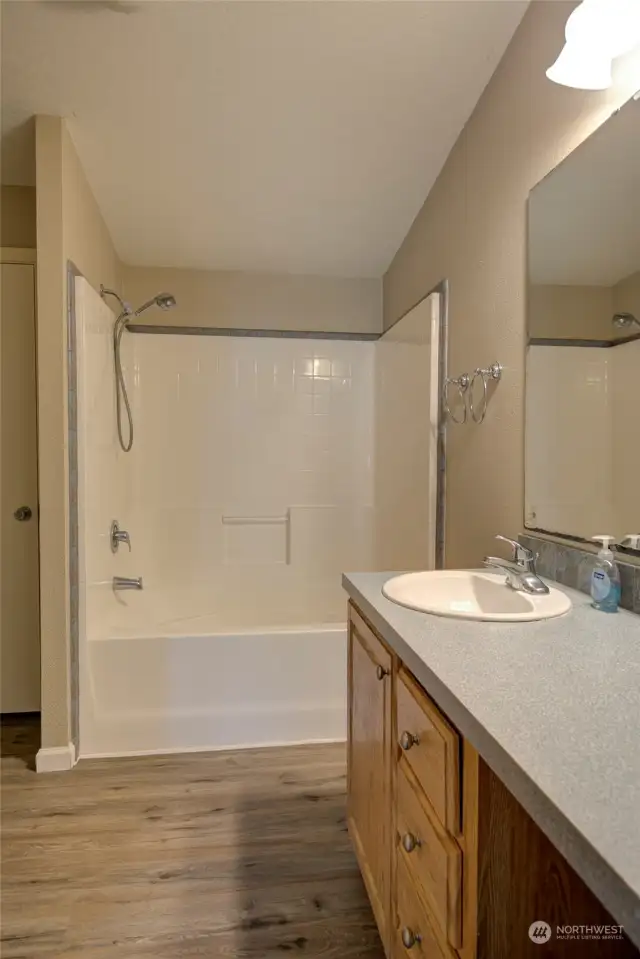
{"x": 605, "y": 578}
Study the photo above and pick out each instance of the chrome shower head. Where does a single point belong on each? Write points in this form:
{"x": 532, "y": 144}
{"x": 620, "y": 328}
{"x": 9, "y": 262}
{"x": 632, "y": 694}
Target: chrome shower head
{"x": 623, "y": 321}
{"x": 165, "y": 301}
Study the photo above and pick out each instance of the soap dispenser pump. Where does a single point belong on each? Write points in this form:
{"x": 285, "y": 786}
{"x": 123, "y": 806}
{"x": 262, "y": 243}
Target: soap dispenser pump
{"x": 605, "y": 578}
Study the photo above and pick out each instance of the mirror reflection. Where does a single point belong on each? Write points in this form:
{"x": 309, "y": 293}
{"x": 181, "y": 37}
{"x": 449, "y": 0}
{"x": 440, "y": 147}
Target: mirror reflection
{"x": 582, "y": 450}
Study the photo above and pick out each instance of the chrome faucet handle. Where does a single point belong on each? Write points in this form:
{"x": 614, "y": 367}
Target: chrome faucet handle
{"x": 118, "y": 536}
{"x": 522, "y": 555}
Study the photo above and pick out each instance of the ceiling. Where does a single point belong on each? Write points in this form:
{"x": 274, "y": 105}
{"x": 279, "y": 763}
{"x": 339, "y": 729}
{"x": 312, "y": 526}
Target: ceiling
{"x": 277, "y": 136}
{"x": 584, "y": 218}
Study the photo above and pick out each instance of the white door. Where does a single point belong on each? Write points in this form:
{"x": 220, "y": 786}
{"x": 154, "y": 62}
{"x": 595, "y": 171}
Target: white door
{"x": 406, "y": 449}
{"x": 19, "y": 574}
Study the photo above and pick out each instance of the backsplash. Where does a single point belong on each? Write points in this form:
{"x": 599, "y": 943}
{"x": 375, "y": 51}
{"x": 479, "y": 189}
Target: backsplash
{"x": 572, "y": 566}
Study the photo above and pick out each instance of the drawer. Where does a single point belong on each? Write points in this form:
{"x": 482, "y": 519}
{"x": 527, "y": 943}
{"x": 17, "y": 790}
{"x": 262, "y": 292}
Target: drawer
{"x": 432, "y": 749}
{"x": 413, "y": 934}
{"x": 433, "y": 858}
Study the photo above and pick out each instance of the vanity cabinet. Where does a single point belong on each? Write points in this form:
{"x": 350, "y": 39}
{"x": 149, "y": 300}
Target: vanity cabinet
{"x": 454, "y": 867}
{"x": 369, "y": 763}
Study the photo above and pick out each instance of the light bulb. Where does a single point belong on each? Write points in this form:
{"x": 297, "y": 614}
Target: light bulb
{"x": 581, "y": 67}
{"x": 596, "y": 32}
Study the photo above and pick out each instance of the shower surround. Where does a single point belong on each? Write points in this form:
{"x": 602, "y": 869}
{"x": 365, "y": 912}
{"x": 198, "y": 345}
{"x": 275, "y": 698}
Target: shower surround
{"x": 248, "y": 490}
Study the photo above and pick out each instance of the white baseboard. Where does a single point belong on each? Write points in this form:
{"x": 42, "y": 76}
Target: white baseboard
{"x": 177, "y": 750}
{"x": 56, "y": 759}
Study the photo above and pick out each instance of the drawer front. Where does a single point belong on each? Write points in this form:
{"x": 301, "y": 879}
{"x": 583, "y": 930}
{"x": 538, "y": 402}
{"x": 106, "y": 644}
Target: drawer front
{"x": 432, "y": 748}
{"x": 432, "y": 857}
{"x": 413, "y": 933}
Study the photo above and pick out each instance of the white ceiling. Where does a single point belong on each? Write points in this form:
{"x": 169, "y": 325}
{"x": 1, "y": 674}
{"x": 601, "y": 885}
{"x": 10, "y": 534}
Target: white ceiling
{"x": 584, "y": 218}
{"x": 281, "y": 136}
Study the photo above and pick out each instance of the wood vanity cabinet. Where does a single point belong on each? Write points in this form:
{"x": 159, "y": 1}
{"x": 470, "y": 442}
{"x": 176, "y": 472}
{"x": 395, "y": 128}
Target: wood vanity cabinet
{"x": 454, "y": 867}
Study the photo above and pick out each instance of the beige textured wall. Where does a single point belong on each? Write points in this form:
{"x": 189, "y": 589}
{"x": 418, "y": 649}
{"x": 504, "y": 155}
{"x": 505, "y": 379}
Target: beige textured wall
{"x": 69, "y": 227}
{"x": 472, "y": 230}
{"x": 571, "y": 312}
{"x": 259, "y": 301}
{"x": 18, "y": 216}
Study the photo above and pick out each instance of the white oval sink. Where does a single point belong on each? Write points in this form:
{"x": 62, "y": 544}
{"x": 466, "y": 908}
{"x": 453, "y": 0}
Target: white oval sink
{"x": 471, "y": 594}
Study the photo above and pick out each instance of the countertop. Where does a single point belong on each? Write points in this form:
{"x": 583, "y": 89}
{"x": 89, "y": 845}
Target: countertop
{"x": 553, "y": 707}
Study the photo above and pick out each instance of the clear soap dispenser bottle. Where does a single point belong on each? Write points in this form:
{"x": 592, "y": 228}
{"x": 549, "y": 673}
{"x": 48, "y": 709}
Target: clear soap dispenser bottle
{"x": 605, "y": 578}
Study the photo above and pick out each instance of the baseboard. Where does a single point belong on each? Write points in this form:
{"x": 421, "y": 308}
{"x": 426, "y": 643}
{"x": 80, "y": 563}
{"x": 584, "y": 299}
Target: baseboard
{"x": 56, "y": 759}
{"x": 177, "y": 751}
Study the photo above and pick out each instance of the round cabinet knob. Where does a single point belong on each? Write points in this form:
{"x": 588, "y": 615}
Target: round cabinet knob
{"x": 381, "y": 672}
{"x": 23, "y": 514}
{"x": 409, "y": 938}
{"x": 407, "y": 740}
{"x": 409, "y": 841}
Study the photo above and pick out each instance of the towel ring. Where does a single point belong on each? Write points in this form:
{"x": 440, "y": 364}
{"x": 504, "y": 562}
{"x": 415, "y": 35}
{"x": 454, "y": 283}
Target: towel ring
{"x": 462, "y": 383}
{"x": 493, "y": 372}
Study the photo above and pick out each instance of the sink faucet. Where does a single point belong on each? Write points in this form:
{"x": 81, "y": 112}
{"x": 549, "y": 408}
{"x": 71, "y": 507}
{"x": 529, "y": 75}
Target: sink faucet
{"x": 521, "y": 571}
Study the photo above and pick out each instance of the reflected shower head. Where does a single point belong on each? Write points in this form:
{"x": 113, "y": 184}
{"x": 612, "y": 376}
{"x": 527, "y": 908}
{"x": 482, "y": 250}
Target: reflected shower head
{"x": 623, "y": 321}
{"x": 163, "y": 300}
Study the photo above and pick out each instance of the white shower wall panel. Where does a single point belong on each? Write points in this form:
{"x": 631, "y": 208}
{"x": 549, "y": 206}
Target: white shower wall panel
{"x": 253, "y": 473}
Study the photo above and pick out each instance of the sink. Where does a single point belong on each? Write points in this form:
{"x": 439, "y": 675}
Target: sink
{"x": 471, "y": 594}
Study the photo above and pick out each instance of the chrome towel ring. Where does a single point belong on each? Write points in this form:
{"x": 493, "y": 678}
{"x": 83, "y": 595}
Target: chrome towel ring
{"x": 465, "y": 386}
{"x": 462, "y": 383}
{"x": 493, "y": 372}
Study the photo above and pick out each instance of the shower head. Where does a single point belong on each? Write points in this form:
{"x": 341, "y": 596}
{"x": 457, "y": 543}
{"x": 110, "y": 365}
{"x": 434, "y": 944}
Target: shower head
{"x": 623, "y": 321}
{"x": 163, "y": 300}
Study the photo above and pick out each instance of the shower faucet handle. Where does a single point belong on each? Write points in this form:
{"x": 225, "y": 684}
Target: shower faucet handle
{"x": 118, "y": 536}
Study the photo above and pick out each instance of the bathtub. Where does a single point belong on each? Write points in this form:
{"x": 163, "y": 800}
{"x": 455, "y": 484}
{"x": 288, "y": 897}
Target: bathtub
{"x": 183, "y": 686}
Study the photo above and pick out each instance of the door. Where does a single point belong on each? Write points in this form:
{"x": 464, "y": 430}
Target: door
{"x": 19, "y": 576}
{"x": 369, "y": 763}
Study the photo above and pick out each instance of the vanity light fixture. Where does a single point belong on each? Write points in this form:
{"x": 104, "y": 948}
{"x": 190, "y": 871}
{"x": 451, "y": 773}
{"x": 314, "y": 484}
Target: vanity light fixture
{"x": 596, "y": 33}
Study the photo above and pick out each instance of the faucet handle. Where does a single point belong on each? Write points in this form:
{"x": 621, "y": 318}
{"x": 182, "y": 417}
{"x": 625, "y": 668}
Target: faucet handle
{"x": 118, "y": 536}
{"x": 522, "y": 555}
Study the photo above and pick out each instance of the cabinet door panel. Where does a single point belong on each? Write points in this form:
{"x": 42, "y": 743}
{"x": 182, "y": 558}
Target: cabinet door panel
{"x": 369, "y": 765}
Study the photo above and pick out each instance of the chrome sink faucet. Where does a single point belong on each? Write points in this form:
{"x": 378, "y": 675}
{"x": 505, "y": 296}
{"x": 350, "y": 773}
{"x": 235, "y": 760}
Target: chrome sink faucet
{"x": 521, "y": 571}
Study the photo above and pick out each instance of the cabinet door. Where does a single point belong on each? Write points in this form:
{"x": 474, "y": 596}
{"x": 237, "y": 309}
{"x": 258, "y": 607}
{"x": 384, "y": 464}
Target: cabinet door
{"x": 369, "y": 764}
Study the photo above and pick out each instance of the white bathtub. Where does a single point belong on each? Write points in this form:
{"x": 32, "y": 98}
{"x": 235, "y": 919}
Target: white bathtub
{"x": 183, "y": 686}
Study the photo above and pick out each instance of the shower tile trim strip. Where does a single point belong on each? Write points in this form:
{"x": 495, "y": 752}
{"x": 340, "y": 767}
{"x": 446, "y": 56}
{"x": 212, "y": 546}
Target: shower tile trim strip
{"x": 572, "y": 566}
{"x": 237, "y": 331}
{"x": 72, "y": 446}
{"x": 599, "y": 344}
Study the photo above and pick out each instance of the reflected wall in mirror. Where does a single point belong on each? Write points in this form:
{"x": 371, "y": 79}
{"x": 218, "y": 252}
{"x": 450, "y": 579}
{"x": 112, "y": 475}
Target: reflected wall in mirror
{"x": 582, "y": 432}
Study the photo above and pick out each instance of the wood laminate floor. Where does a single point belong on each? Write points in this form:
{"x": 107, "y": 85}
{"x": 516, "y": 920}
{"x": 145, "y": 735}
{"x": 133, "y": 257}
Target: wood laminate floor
{"x": 241, "y": 854}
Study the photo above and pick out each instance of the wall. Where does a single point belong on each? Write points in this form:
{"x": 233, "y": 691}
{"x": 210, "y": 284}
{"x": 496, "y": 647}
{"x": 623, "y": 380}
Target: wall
{"x": 259, "y": 301}
{"x": 252, "y": 472}
{"x": 626, "y": 297}
{"x": 570, "y": 312}
{"x": 625, "y": 363}
{"x": 405, "y": 463}
{"x": 69, "y": 227}
{"x": 569, "y": 447}
{"x": 472, "y": 230}
{"x": 18, "y": 216}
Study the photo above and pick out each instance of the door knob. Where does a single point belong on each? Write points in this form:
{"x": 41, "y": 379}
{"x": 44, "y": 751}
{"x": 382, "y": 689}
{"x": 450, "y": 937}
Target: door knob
{"x": 407, "y": 740}
{"x": 381, "y": 672}
{"x": 409, "y": 938}
{"x": 23, "y": 513}
{"x": 409, "y": 841}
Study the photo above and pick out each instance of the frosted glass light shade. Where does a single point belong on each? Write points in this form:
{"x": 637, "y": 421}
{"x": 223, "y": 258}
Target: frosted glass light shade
{"x": 581, "y": 67}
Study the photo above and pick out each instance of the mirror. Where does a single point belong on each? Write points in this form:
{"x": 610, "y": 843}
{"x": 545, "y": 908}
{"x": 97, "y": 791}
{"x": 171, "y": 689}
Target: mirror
{"x": 582, "y": 430}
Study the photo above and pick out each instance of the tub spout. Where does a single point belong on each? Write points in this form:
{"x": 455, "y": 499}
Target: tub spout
{"x": 127, "y": 582}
